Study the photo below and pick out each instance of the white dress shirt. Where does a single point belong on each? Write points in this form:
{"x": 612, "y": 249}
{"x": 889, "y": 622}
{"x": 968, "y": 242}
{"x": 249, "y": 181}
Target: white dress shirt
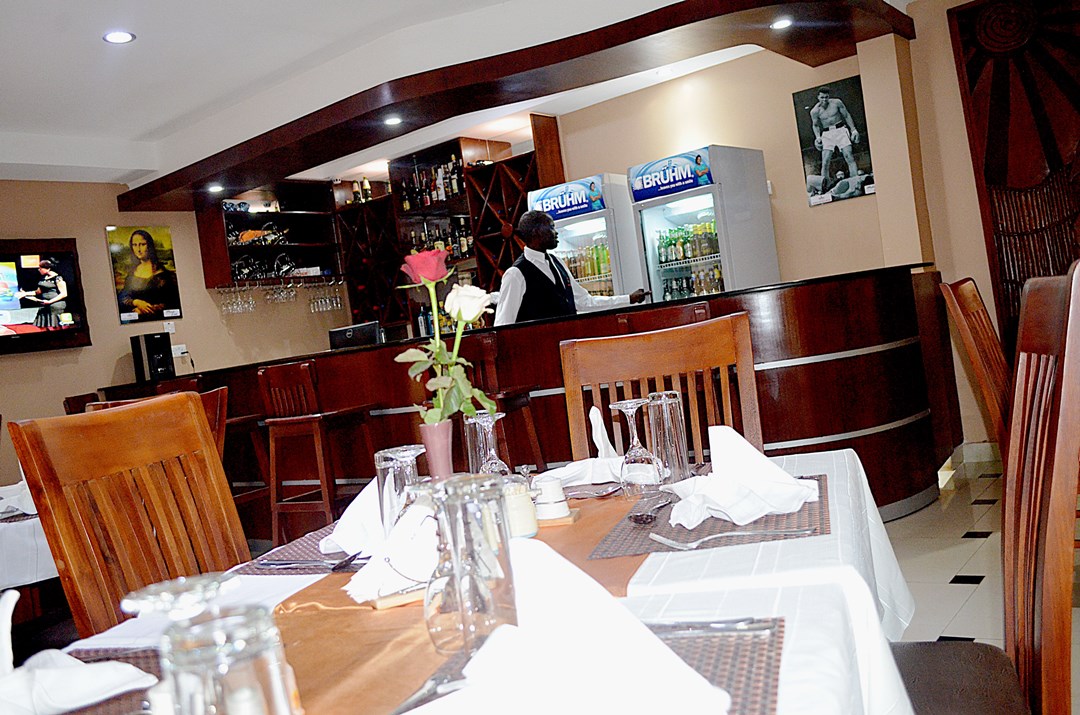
{"x": 513, "y": 290}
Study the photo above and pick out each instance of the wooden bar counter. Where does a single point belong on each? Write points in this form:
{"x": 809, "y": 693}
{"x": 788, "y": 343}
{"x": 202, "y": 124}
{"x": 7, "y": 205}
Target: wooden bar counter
{"x": 859, "y": 360}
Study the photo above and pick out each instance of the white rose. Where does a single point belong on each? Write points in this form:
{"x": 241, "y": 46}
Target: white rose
{"x": 467, "y": 303}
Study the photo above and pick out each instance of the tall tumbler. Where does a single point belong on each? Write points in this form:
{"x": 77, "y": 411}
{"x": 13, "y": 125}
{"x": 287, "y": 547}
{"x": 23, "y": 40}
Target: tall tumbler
{"x": 471, "y": 592}
{"x": 230, "y": 661}
{"x": 667, "y": 430}
{"x": 395, "y": 472}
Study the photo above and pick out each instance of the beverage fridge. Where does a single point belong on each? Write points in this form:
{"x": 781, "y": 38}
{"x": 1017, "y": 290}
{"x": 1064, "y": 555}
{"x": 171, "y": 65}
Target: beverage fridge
{"x": 704, "y": 221}
{"x": 597, "y": 241}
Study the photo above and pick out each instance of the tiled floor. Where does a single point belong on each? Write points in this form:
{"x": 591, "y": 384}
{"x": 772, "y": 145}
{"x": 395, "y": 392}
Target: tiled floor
{"x": 950, "y": 553}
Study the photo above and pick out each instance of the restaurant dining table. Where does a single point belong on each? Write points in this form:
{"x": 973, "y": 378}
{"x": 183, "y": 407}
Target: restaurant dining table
{"x": 840, "y": 596}
{"x": 24, "y": 553}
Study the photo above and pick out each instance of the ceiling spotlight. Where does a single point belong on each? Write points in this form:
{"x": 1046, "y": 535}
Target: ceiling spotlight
{"x": 781, "y": 24}
{"x": 215, "y": 188}
{"x": 118, "y": 37}
{"x": 392, "y": 121}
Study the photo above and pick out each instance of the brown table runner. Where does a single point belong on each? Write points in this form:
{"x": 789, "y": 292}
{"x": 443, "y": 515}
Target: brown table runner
{"x": 628, "y": 539}
{"x": 306, "y": 547}
{"x": 145, "y": 659}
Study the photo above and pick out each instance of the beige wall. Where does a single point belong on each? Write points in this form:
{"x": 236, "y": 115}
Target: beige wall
{"x": 748, "y": 103}
{"x": 35, "y": 384}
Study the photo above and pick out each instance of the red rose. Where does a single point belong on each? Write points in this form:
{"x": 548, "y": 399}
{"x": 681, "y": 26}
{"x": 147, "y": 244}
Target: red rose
{"x": 426, "y": 265}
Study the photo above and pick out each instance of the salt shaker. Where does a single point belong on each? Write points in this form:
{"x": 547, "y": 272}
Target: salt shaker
{"x": 551, "y": 501}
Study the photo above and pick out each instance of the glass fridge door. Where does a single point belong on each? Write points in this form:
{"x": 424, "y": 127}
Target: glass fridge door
{"x": 682, "y": 250}
{"x": 585, "y": 248}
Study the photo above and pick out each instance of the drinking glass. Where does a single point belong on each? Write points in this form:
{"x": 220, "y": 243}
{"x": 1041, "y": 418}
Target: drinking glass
{"x": 641, "y": 470}
{"x": 471, "y": 592}
{"x": 229, "y": 661}
{"x": 667, "y": 431}
{"x": 395, "y": 472}
{"x": 491, "y": 464}
{"x": 180, "y": 598}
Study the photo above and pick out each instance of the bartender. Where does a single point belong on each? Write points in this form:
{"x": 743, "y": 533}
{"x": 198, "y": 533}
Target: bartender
{"x": 538, "y": 285}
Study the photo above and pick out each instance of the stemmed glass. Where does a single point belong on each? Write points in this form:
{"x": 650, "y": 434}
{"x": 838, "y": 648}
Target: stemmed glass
{"x": 491, "y": 464}
{"x": 396, "y": 472}
{"x": 640, "y": 472}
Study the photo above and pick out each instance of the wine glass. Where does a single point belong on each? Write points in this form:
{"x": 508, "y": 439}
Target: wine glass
{"x": 491, "y": 464}
{"x": 640, "y": 474}
{"x": 395, "y": 470}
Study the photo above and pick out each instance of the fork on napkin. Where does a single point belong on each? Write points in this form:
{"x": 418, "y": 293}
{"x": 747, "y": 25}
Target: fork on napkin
{"x": 744, "y": 485}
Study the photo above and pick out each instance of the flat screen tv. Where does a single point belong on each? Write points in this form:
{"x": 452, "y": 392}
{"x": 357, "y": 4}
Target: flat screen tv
{"x": 41, "y": 296}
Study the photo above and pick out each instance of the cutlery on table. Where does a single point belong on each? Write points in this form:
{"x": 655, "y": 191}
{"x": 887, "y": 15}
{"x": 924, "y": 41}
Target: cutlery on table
{"x": 691, "y": 545}
{"x": 588, "y": 494}
{"x": 333, "y": 564}
{"x": 644, "y": 518}
{"x": 679, "y": 629}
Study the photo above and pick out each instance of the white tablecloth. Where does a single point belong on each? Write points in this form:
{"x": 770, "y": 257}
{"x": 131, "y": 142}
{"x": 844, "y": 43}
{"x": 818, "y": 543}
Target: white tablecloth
{"x": 857, "y": 539}
{"x": 835, "y": 657}
{"x": 24, "y": 554}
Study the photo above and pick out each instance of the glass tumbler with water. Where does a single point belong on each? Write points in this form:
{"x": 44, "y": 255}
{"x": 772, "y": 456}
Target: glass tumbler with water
{"x": 667, "y": 433}
{"x": 230, "y": 661}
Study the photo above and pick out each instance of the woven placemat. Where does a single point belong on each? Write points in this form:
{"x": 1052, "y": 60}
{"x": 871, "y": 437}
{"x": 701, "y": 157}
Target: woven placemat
{"x": 746, "y": 665}
{"x": 17, "y": 516}
{"x": 629, "y": 539}
{"x": 145, "y": 659}
{"x": 306, "y": 547}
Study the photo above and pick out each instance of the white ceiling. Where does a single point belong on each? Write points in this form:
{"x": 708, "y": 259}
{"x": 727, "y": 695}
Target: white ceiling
{"x": 202, "y": 76}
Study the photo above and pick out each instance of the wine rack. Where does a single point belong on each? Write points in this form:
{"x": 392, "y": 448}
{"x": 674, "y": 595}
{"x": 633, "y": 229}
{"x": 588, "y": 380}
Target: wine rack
{"x": 498, "y": 196}
{"x": 372, "y": 256}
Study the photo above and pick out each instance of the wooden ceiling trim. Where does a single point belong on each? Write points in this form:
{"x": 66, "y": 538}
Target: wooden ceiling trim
{"x": 825, "y": 31}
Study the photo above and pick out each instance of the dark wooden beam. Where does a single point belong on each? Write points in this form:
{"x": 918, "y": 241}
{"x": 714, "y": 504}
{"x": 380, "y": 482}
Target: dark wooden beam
{"x": 824, "y": 31}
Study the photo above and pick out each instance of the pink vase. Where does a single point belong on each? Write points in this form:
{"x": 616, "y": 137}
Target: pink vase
{"x": 438, "y": 439}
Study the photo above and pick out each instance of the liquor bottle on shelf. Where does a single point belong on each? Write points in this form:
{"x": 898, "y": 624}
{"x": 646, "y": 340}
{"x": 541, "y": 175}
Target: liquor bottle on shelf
{"x": 365, "y": 189}
{"x": 414, "y": 246}
{"x": 440, "y": 187}
{"x": 406, "y": 205}
{"x": 468, "y": 237}
{"x": 463, "y": 240}
{"x": 357, "y": 196}
{"x": 455, "y": 183}
{"x": 439, "y": 243}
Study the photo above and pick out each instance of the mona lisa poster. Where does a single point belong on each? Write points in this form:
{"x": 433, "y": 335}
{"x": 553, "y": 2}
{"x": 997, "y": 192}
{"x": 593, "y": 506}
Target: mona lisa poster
{"x": 144, "y": 273}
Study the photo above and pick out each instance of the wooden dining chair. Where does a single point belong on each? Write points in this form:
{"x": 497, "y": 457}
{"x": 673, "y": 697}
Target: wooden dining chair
{"x": 1040, "y": 486}
{"x": 984, "y": 350}
{"x": 482, "y": 351}
{"x": 215, "y": 404}
{"x": 76, "y": 404}
{"x": 668, "y": 316}
{"x": 697, "y": 360}
{"x": 128, "y": 497}
{"x": 294, "y": 415}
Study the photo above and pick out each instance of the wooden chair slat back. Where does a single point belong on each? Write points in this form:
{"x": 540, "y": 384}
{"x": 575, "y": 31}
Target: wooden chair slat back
{"x": 1040, "y": 479}
{"x": 669, "y": 316}
{"x": 127, "y": 497}
{"x": 983, "y": 349}
{"x": 687, "y": 356}
{"x": 289, "y": 390}
{"x": 74, "y": 404}
{"x": 215, "y": 405}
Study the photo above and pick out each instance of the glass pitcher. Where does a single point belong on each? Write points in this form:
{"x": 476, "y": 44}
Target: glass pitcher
{"x": 471, "y": 592}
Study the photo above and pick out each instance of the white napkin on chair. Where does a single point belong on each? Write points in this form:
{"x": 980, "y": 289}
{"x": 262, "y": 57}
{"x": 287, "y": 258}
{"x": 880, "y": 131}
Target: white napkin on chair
{"x": 595, "y": 470}
{"x": 403, "y": 561}
{"x": 604, "y": 448}
{"x": 744, "y": 485}
{"x": 53, "y": 682}
{"x": 16, "y": 498}
{"x": 569, "y": 625}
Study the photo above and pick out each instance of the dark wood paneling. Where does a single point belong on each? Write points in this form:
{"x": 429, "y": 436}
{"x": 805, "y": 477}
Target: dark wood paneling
{"x": 548, "y": 148}
{"x": 824, "y": 31}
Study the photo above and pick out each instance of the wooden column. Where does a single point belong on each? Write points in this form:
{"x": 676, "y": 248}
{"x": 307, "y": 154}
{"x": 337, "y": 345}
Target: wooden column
{"x": 548, "y": 148}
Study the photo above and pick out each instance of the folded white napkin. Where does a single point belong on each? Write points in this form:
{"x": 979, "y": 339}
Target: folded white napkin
{"x": 403, "y": 560}
{"x": 594, "y": 470}
{"x": 16, "y": 498}
{"x": 360, "y": 525}
{"x": 744, "y": 485}
{"x": 54, "y": 682}
{"x": 569, "y": 624}
{"x": 600, "y": 438}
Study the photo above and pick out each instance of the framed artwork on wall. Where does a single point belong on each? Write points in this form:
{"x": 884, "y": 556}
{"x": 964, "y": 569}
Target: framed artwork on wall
{"x": 144, "y": 273}
{"x": 835, "y": 145}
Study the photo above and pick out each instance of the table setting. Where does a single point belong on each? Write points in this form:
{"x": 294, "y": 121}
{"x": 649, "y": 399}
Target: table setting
{"x": 24, "y": 553}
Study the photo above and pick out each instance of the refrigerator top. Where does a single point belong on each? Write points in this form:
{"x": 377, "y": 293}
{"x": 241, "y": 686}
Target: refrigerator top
{"x": 670, "y": 175}
{"x": 573, "y": 198}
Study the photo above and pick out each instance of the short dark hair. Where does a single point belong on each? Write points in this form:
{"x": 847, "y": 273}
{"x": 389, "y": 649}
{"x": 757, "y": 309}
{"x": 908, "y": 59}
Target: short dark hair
{"x": 46, "y": 264}
{"x": 532, "y": 223}
{"x": 825, "y": 90}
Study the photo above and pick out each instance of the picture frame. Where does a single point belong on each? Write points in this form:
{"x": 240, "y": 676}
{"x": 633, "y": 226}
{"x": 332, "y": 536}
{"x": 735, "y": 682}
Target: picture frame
{"x": 144, "y": 273}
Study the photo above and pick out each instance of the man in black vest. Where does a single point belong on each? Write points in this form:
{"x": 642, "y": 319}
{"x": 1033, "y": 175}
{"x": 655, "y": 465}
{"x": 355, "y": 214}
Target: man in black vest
{"x": 539, "y": 286}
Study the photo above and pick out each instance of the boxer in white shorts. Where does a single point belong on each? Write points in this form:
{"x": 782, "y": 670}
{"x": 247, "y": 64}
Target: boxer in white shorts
{"x": 833, "y": 129}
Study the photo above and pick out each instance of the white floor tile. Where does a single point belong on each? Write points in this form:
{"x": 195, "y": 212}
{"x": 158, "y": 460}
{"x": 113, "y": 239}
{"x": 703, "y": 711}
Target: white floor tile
{"x": 933, "y": 560}
{"x": 936, "y": 605}
{"x": 987, "y": 559}
{"x": 991, "y": 520}
{"x": 981, "y": 615}
{"x": 944, "y": 518}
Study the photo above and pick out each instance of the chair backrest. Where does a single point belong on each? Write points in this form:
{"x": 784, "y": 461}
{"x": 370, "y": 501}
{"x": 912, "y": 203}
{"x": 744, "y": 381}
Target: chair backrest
{"x": 1040, "y": 490}
{"x": 186, "y": 383}
{"x": 215, "y": 404}
{"x": 128, "y": 497}
{"x": 289, "y": 390}
{"x": 481, "y": 350}
{"x": 76, "y": 404}
{"x": 984, "y": 350}
{"x": 668, "y": 316}
{"x": 693, "y": 359}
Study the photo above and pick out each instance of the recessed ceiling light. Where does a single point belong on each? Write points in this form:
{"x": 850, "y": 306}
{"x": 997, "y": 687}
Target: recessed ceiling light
{"x": 118, "y": 37}
{"x": 392, "y": 121}
{"x": 781, "y": 24}
{"x": 215, "y": 188}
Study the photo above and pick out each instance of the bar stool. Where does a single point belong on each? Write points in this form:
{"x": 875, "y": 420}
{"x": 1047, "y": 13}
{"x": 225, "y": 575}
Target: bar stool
{"x": 294, "y": 414}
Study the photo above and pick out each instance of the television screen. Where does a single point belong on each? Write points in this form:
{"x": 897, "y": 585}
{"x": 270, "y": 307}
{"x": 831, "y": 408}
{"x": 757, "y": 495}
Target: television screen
{"x": 41, "y": 297}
